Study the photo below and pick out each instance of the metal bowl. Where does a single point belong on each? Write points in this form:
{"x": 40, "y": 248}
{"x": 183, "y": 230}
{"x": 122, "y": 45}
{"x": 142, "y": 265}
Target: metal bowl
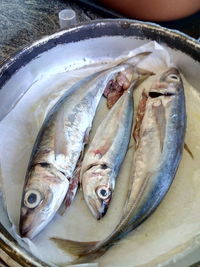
{"x": 94, "y": 39}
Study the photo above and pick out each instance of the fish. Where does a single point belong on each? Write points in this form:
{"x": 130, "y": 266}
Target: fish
{"x": 57, "y": 150}
{"x": 159, "y": 139}
{"x": 105, "y": 155}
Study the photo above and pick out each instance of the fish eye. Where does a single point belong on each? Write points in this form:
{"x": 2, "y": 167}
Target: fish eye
{"x": 173, "y": 78}
{"x": 104, "y": 166}
{"x": 32, "y": 198}
{"x": 103, "y": 192}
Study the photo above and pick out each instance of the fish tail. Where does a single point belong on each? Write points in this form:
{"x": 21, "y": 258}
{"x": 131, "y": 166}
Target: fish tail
{"x": 85, "y": 259}
{"x": 75, "y": 248}
{"x": 84, "y": 251}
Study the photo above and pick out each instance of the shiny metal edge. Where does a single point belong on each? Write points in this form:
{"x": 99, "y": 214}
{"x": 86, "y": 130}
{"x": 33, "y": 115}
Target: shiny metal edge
{"x": 124, "y": 23}
{"x": 19, "y": 255}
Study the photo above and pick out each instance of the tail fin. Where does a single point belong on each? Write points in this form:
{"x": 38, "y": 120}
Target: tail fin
{"x": 85, "y": 251}
{"x": 76, "y": 248}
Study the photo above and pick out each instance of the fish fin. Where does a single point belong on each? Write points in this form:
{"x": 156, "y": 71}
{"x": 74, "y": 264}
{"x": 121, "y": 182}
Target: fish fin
{"x": 62, "y": 209}
{"x": 139, "y": 117}
{"x": 159, "y": 113}
{"x": 87, "y": 136}
{"x": 188, "y": 150}
{"x": 73, "y": 187}
{"x": 75, "y": 248}
{"x": 71, "y": 193}
{"x": 60, "y": 138}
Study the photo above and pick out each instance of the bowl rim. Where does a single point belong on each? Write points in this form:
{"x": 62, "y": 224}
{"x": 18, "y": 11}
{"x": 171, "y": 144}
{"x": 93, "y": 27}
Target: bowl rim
{"x": 82, "y": 31}
{"x": 184, "y": 42}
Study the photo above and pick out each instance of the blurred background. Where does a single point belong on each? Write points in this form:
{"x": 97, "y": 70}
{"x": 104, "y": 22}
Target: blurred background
{"x": 24, "y": 21}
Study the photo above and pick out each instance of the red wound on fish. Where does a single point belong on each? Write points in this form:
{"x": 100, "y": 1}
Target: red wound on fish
{"x": 108, "y": 88}
{"x": 113, "y": 98}
{"x": 140, "y": 114}
{"x": 115, "y": 89}
{"x": 73, "y": 185}
{"x": 102, "y": 150}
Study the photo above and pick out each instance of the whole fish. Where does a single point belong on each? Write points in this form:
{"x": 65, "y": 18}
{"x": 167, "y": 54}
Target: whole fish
{"x": 105, "y": 155}
{"x": 159, "y": 133}
{"x": 57, "y": 150}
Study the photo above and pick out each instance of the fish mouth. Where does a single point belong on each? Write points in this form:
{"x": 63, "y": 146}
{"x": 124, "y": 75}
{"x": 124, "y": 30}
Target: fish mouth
{"x": 160, "y": 92}
{"x": 25, "y": 231}
{"x": 98, "y": 210}
{"x": 29, "y": 229}
{"x": 104, "y": 208}
{"x": 30, "y": 232}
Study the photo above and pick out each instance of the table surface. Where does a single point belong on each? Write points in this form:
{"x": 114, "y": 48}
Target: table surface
{"x": 24, "y": 21}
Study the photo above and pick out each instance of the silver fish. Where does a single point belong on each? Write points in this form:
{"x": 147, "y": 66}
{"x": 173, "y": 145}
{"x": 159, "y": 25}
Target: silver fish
{"x": 159, "y": 133}
{"x": 57, "y": 150}
{"x": 105, "y": 155}
{"x": 105, "y": 182}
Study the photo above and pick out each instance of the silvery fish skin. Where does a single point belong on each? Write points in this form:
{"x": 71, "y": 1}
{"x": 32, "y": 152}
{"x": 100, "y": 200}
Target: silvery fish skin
{"x": 105, "y": 155}
{"x": 57, "y": 150}
{"x": 159, "y": 133}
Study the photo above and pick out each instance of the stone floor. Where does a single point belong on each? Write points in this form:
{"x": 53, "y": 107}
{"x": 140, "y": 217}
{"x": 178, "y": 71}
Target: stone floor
{"x": 24, "y": 21}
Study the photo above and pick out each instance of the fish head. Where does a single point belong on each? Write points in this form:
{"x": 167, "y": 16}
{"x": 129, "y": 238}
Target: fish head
{"x": 98, "y": 186}
{"x": 168, "y": 83}
{"x": 43, "y": 194}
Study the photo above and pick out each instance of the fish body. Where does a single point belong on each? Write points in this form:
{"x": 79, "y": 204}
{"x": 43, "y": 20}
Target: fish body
{"x": 159, "y": 134}
{"x": 105, "y": 155}
{"x": 57, "y": 150}
{"x": 158, "y": 149}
